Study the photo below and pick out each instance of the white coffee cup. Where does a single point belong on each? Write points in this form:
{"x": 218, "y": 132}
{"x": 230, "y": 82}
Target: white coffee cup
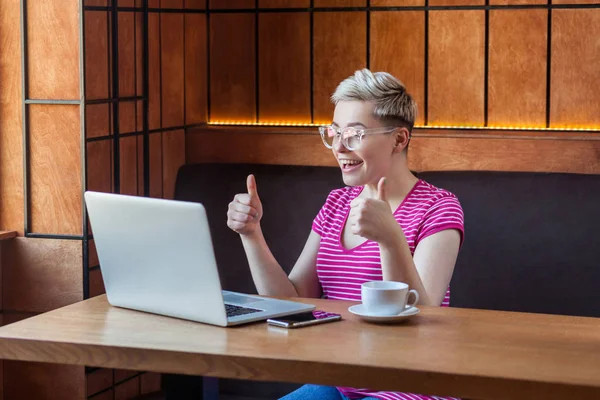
{"x": 387, "y": 297}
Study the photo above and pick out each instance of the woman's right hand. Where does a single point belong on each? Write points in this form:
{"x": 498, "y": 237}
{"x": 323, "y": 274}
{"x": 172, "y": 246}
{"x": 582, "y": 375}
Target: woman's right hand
{"x": 245, "y": 211}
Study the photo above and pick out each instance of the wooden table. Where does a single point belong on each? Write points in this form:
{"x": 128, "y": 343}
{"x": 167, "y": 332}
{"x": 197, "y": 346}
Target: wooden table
{"x": 444, "y": 351}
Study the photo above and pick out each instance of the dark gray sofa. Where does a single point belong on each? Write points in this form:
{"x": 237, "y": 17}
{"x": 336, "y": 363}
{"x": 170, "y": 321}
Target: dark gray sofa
{"x": 531, "y": 239}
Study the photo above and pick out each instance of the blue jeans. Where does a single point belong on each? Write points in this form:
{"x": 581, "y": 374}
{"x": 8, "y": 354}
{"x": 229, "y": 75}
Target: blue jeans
{"x": 317, "y": 392}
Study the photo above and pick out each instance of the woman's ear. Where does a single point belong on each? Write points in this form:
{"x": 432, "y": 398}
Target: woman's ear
{"x": 401, "y": 137}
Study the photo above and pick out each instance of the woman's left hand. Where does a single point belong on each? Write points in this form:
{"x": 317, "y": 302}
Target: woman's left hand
{"x": 373, "y": 218}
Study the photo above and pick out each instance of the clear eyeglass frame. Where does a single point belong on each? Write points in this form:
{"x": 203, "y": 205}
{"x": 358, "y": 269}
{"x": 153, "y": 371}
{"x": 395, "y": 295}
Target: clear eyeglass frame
{"x": 351, "y": 137}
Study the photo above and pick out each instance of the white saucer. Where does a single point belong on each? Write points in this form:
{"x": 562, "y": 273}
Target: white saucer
{"x": 360, "y": 310}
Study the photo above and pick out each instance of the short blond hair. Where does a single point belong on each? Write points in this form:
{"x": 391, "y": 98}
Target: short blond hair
{"x": 393, "y": 104}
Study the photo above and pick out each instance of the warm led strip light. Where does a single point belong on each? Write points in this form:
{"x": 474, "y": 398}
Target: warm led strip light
{"x": 467, "y": 127}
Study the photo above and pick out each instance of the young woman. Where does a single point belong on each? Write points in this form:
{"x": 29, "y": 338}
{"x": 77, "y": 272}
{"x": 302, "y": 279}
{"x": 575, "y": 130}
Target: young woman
{"x": 386, "y": 224}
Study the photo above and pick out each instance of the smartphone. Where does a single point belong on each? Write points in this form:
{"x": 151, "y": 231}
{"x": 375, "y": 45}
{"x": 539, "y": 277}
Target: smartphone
{"x": 304, "y": 319}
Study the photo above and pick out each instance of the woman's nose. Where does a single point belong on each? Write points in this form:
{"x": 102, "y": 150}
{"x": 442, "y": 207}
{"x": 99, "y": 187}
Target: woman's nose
{"x": 338, "y": 146}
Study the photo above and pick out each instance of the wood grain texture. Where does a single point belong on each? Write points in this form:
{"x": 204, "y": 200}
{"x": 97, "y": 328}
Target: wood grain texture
{"x": 96, "y": 284}
{"x": 574, "y": 2}
{"x": 575, "y": 100}
{"x": 156, "y": 165}
{"x": 123, "y": 374}
{"x": 516, "y": 2}
{"x": 4, "y": 235}
{"x": 398, "y": 47}
{"x": 173, "y": 146}
{"x": 53, "y": 49}
{"x": 391, "y": 3}
{"x": 126, "y": 54}
{"x": 93, "y": 254}
{"x": 150, "y": 382}
{"x": 227, "y": 4}
{"x": 41, "y": 274}
{"x": 96, "y": 55}
{"x": 284, "y": 67}
{"x": 139, "y": 53}
{"x": 128, "y": 390}
{"x": 99, "y": 380}
{"x": 154, "y": 67}
{"x": 456, "y": 2}
{"x": 100, "y": 166}
{"x": 97, "y": 120}
{"x": 248, "y": 146}
{"x": 535, "y": 355}
{"x": 41, "y": 381}
{"x": 55, "y": 169}
{"x": 172, "y": 67}
{"x": 337, "y": 54}
{"x": 11, "y": 133}
{"x": 195, "y": 69}
{"x": 171, "y": 3}
{"x": 341, "y": 3}
{"x": 195, "y": 4}
{"x": 232, "y": 67}
{"x": 129, "y": 165}
{"x": 283, "y": 3}
{"x": 456, "y": 67}
{"x": 428, "y": 151}
{"x": 127, "y": 117}
{"x": 501, "y": 154}
{"x": 517, "y": 68}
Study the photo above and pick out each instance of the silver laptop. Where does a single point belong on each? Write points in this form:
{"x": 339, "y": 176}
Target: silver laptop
{"x": 157, "y": 256}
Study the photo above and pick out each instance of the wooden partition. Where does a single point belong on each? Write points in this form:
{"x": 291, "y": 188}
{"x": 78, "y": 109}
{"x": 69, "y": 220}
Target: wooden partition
{"x": 473, "y": 66}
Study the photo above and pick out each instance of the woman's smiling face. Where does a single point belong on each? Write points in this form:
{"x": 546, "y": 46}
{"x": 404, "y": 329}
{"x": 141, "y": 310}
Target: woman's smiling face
{"x": 372, "y": 160}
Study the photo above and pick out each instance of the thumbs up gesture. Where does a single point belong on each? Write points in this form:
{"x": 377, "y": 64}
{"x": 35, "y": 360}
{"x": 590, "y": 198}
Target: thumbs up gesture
{"x": 372, "y": 218}
{"x": 245, "y": 211}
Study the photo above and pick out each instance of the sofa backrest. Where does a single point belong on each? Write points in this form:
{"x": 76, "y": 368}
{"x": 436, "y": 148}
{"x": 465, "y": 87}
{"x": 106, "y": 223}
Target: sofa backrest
{"x": 530, "y": 243}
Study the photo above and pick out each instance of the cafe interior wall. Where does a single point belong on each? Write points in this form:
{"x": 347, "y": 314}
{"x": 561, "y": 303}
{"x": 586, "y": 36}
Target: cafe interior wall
{"x": 119, "y": 94}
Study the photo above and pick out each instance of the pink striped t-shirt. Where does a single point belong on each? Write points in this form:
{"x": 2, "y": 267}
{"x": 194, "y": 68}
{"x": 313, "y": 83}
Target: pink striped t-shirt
{"x": 425, "y": 210}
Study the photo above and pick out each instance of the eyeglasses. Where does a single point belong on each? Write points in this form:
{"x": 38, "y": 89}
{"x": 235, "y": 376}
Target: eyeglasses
{"x": 351, "y": 137}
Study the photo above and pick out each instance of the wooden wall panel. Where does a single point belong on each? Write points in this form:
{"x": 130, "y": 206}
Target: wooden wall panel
{"x": 173, "y": 157}
{"x": 93, "y": 254}
{"x": 456, "y": 2}
{"x": 517, "y": 2}
{"x": 232, "y": 89}
{"x": 99, "y": 166}
{"x": 127, "y": 117}
{"x": 128, "y": 165}
{"x": 398, "y": 47}
{"x": 156, "y": 166}
{"x": 246, "y": 146}
{"x": 341, "y": 3}
{"x": 154, "y": 81}
{"x": 40, "y": 275}
{"x": 344, "y": 47}
{"x": 229, "y": 4}
{"x": 429, "y": 150}
{"x": 128, "y": 390}
{"x": 97, "y": 120}
{"x": 171, "y": 3}
{"x": 150, "y": 382}
{"x": 43, "y": 381}
{"x": 575, "y": 99}
{"x": 502, "y": 154}
{"x": 55, "y": 169}
{"x": 456, "y": 67}
{"x": 284, "y": 67}
{"x": 126, "y": 54}
{"x": 195, "y": 4}
{"x": 99, "y": 380}
{"x": 283, "y": 3}
{"x": 123, "y": 374}
{"x": 53, "y": 49}
{"x": 575, "y": 2}
{"x": 11, "y": 100}
{"x": 195, "y": 69}
{"x": 139, "y": 54}
{"x": 96, "y": 55}
{"x": 108, "y": 395}
{"x": 140, "y": 165}
{"x": 517, "y": 68}
{"x": 96, "y": 283}
{"x": 172, "y": 65}
{"x": 392, "y": 3}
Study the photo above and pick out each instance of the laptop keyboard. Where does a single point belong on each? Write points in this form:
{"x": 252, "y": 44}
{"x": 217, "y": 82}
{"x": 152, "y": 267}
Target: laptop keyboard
{"x": 234, "y": 311}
